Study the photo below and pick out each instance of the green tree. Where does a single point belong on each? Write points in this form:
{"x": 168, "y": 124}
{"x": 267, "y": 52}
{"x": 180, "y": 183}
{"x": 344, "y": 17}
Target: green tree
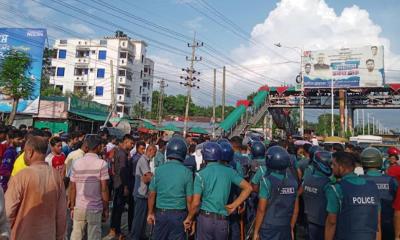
{"x": 324, "y": 124}
{"x": 14, "y": 78}
{"x": 45, "y": 88}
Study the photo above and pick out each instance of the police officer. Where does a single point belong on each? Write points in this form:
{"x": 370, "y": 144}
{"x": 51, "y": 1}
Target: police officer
{"x": 277, "y": 198}
{"x": 258, "y": 169}
{"x": 211, "y": 191}
{"x": 171, "y": 190}
{"x": 228, "y": 150}
{"x": 352, "y": 204}
{"x": 234, "y": 218}
{"x": 371, "y": 160}
{"x": 314, "y": 190}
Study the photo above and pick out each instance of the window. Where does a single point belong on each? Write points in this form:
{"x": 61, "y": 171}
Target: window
{"x": 120, "y": 91}
{"x": 63, "y": 41}
{"x": 123, "y": 54}
{"x": 90, "y": 88}
{"x": 99, "y": 91}
{"x": 143, "y": 99}
{"x": 60, "y": 72}
{"x": 126, "y": 110}
{"x": 119, "y": 108}
{"x": 93, "y": 51}
{"x": 103, "y": 42}
{"x": 102, "y": 54}
{"x": 141, "y": 73}
{"x": 140, "y": 91}
{"x": 142, "y": 58}
{"x": 101, "y": 72}
{"x": 144, "y": 84}
{"x": 121, "y": 73}
{"x": 62, "y": 54}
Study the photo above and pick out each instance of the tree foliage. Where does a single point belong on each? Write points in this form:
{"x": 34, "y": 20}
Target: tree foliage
{"x": 15, "y": 79}
{"x": 175, "y": 105}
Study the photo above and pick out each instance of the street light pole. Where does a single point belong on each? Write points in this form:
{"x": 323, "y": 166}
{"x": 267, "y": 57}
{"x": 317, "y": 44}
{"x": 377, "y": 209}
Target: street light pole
{"x": 332, "y": 108}
{"x": 302, "y": 95}
{"x": 301, "y": 85}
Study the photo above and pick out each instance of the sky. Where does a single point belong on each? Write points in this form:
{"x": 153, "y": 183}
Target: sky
{"x": 237, "y": 34}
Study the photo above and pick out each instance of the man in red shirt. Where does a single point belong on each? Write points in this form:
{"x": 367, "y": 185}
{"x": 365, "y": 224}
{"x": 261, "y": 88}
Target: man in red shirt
{"x": 394, "y": 171}
{"x": 56, "y": 158}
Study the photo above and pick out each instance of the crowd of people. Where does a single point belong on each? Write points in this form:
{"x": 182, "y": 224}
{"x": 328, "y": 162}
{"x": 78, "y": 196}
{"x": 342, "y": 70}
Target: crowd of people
{"x": 71, "y": 186}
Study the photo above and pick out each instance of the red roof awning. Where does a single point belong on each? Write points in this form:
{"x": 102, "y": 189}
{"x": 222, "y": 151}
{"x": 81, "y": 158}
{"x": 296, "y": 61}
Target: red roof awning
{"x": 281, "y": 90}
{"x": 264, "y": 88}
{"x": 395, "y": 86}
{"x": 243, "y": 102}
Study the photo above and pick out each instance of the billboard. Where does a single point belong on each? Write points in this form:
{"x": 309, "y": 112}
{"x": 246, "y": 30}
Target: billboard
{"x": 31, "y": 41}
{"x": 347, "y": 67}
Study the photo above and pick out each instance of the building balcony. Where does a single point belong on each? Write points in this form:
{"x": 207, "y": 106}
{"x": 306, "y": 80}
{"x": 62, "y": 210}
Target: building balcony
{"x": 124, "y": 81}
{"x": 79, "y": 62}
{"x": 80, "y": 81}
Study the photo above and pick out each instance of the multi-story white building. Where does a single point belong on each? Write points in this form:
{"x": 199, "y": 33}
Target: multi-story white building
{"x": 94, "y": 66}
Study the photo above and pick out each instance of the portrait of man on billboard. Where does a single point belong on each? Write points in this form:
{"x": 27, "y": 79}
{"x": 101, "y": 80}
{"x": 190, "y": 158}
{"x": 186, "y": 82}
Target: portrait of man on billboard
{"x": 307, "y": 68}
{"x": 321, "y": 65}
{"x": 371, "y": 77}
{"x": 374, "y": 51}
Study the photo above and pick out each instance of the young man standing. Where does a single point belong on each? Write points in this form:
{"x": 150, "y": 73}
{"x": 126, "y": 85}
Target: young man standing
{"x": 143, "y": 177}
{"x": 89, "y": 192}
{"x": 56, "y": 157}
{"x": 15, "y": 139}
{"x": 121, "y": 181}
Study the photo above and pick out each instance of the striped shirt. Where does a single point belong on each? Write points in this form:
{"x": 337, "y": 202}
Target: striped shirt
{"x": 87, "y": 172}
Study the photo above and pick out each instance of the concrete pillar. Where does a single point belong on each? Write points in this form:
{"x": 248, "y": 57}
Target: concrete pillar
{"x": 341, "y": 110}
{"x": 350, "y": 118}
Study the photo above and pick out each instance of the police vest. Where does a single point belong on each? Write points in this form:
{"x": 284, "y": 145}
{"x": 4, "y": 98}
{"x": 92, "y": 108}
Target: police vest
{"x": 314, "y": 198}
{"x": 358, "y": 215}
{"x": 385, "y": 185}
{"x": 255, "y": 165}
{"x": 281, "y": 205}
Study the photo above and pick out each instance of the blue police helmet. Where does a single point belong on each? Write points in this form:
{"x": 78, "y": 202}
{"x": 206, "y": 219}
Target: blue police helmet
{"x": 322, "y": 161}
{"x": 222, "y": 140}
{"x": 176, "y": 148}
{"x": 211, "y": 152}
{"x": 277, "y": 158}
{"x": 257, "y": 150}
{"x": 312, "y": 151}
{"x": 227, "y": 151}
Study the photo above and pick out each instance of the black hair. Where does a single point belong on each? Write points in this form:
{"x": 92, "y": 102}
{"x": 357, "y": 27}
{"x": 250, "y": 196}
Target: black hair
{"x": 236, "y": 140}
{"x": 370, "y": 60}
{"x": 128, "y": 137}
{"x": 54, "y": 141}
{"x": 93, "y": 141}
{"x": 307, "y": 64}
{"x": 35, "y": 132}
{"x": 192, "y": 148}
{"x": 14, "y": 134}
{"x": 140, "y": 143}
{"x": 337, "y": 147}
{"x": 394, "y": 155}
{"x": 161, "y": 143}
{"x": 22, "y": 126}
{"x": 307, "y": 147}
{"x": 292, "y": 149}
{"x": 345, "y": 159}
{"x": 47, "y": 134}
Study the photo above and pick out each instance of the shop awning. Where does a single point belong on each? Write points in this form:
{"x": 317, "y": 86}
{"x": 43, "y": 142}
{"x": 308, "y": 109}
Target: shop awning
{"x": 94, "y": 117}
{"x": 198, "y": 130}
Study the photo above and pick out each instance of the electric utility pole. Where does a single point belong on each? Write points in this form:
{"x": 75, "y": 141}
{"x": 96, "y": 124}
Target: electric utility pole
{"x": 161, "y": 101}
{"x": 190, "y": 79}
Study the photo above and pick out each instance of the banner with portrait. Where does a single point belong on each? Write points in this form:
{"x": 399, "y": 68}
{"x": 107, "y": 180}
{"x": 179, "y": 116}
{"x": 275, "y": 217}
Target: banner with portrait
{"x": 346, "y": 67}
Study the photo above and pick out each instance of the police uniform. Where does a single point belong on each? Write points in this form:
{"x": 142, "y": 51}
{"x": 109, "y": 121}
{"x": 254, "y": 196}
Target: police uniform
{"x": 371, "y": 160}
{"x": 355, "y": 201}
{"x": 280, "y": 189}
{"x": 213, "y": 183}
{"x": 315, "y": 186}
{"x": 387, "y": 187}
{"x": 173, "y": 183}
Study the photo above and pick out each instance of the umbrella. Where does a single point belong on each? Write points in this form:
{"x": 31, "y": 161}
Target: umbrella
{"x": 170, "y": 127}
{"x": 301, "y": 142}
{"x": 198, "y": 130}
{"x": 149, "y": 125}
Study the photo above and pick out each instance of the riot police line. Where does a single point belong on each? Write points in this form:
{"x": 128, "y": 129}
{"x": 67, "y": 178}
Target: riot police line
{"x": 263, "y": 195}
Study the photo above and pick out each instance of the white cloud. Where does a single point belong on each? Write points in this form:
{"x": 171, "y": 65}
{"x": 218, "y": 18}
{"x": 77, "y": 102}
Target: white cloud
{"x": 79, "y": 28}
{"x": 310, "y": 24}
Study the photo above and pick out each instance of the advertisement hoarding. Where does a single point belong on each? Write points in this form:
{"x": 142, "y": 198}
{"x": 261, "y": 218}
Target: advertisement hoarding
{"x": 347, "y": 67}
{"x": 31, "y": 41}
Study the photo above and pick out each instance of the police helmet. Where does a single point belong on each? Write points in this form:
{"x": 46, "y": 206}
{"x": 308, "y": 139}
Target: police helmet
{"x": 277, "y": 158}
{"x": 211, "y": 152}
{"x": 176, "y": 148}
{"x": 312, "y": 151}
{"x": 322, "y": 161}
{"x": 257, "y": 150}
{"x": 227, "y": 151}
{"x": 222, "y": 140}
{"x": 371, "y": 158}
